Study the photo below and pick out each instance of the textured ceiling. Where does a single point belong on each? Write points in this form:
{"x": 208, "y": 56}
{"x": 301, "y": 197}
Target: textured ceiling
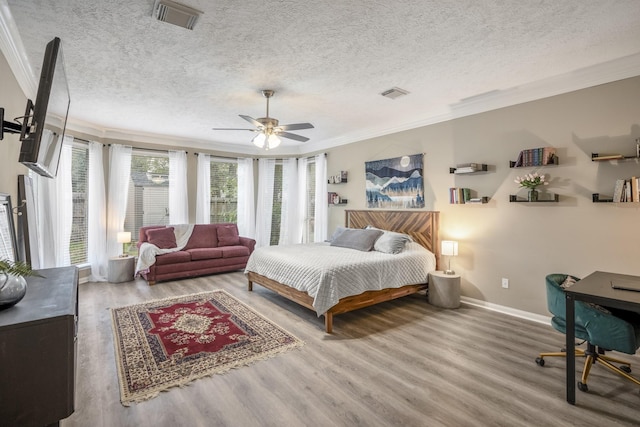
{"x": 328, "y": 61}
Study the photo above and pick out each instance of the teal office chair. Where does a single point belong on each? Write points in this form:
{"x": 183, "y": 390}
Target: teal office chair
{"x": 601, "y": 328}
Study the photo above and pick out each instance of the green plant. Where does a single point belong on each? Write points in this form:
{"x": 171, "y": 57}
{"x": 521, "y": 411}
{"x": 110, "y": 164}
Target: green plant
{"x": 16, "y": 268}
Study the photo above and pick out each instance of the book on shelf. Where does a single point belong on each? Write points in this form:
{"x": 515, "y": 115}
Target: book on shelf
{"x": 459, "y": 195}
{"x": 607, "y": 157}
{"x": 635, "y": 197}
{"x": 536, "y": 157}
{"x": 475, "y": 200}
{"x": 469, "y": 168}
{"x": 618, "y": 190}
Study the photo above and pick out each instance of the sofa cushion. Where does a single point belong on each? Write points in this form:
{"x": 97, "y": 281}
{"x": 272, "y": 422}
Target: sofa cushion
{"x": 205, "y": 253}
{"x": 234, "y": 251}
{"x": 203, "y": 236}
{"x": 228, "y": 235}
{"x": 173, "y": 258}
{"x": 164, "y": 238}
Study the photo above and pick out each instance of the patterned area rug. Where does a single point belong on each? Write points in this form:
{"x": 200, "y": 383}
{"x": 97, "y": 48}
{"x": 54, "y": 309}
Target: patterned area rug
{"x": 166, "y": 343}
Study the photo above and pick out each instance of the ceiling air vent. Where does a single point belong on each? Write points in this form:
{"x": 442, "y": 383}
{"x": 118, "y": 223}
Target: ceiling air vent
{"x": 175, "y": 13}
{"x": 394, "y": 93}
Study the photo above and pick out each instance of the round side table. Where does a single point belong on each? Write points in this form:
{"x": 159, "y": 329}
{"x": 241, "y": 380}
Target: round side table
{"x": 444, "y": 289}
{"x": 121, "y": 269}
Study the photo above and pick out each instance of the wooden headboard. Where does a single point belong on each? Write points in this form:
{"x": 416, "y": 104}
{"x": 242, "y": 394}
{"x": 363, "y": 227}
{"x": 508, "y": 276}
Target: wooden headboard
{"x": 422, "y": 226}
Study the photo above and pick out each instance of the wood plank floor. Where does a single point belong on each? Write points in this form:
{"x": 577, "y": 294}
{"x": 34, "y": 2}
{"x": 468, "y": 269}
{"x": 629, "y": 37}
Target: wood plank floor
{"x": 401, "y": 363}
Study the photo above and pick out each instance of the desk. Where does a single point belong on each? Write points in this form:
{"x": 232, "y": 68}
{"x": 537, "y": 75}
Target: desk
{"x": 595, "y": 288}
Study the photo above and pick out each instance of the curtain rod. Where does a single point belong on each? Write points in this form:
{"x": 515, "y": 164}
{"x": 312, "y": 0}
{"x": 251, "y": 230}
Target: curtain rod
{"x": 221, "y": 157}
{"x": 152, "y": 149}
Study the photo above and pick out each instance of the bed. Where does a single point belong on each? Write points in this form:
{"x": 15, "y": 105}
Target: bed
{"x": 422, "y": 226}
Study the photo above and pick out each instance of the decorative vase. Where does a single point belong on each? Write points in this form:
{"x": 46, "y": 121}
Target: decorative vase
{"x": 12, "y": 290}
{"x": 533, "y": 195}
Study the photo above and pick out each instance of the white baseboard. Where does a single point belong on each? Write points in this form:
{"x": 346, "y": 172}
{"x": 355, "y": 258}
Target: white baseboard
{"x": 507, "y": 310}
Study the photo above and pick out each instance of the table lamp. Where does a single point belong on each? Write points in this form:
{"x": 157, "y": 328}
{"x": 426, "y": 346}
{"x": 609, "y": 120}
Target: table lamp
{"x": 449, "y": 248}
{"x": 124, "y": 237}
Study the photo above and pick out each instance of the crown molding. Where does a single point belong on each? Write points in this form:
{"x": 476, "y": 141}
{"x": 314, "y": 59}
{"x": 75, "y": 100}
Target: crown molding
{"x": 606, "y": 72}
{"x": 13, "y": 50}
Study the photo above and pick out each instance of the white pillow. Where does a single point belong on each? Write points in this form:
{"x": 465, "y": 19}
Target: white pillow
{"x": 390, "y": 242}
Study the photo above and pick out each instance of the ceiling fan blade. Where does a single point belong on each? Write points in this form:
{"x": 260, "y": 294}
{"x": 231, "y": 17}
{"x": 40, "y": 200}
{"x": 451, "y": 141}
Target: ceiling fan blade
{"x": 296, "y": 126}
{"x": 252, "y": 130}
{"x": 252, "y": 121}
{"x": 293, "y": 136}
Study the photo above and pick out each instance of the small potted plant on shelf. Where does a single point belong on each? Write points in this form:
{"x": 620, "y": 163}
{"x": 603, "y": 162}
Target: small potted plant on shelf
{"x": 531, "y": 181}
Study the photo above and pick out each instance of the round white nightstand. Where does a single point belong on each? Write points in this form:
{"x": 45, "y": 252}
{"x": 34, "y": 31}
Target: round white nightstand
{"x": 121, "y": 269}
{"x": 444, "y": 289}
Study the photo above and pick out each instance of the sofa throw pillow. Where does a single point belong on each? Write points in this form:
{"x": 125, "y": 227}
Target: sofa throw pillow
{"x": 362, "y": 240}
{"x": 164, "y": 238}
{"x": 228, "y": 235}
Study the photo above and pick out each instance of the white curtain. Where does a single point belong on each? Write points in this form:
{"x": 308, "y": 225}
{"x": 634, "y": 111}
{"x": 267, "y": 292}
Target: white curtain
{"x": 55, "y": 211}
{"x": 203, "y": 189}
{"x": 96, "y": 216}
{"x": 322, "y": 206}
{"x": 178, "y": 199}
{"x": 290, "y": 230}
{"x": 119, "y": 177}
{"x": 246, "y": 206}
{"x": 303, "y": 223}
{"x": 266, "y": 173}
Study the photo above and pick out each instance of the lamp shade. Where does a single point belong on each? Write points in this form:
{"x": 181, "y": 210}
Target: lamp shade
{"x": 259, "y": 140}
{"x": 273, "y": 141}
{"x": 124, "y": 237}
{"x": 449, "y": 247}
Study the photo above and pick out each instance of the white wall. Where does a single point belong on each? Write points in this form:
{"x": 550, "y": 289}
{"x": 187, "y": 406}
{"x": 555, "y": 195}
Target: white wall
{"x": 520, "y": 241}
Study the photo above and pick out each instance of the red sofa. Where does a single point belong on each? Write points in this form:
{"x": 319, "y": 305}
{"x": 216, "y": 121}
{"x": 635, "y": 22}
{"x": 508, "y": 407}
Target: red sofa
{"x": 204, "y": 253}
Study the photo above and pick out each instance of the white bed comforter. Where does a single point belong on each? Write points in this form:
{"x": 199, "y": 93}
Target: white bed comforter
{"x": 329, "y": 273}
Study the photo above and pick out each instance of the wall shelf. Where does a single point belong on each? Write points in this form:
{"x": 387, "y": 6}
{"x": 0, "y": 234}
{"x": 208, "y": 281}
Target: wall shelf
{"x": 596, "y": 157}
{"x": 516, "y": 199}
{"x": 469, "y": 169}
{"x": 596, "y": 199}
{"x": 554, "y": 161}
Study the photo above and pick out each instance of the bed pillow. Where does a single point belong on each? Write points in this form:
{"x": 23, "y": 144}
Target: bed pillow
{"x": 390, "y": 242}
{"x": 339, "y": 230}
{"x": 164, "y": 238}
{"x": 228, "y": 235}
{"x": 362, "y": 240}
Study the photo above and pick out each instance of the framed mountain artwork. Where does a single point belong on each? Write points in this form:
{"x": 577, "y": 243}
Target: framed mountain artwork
{"x": 395, "y": 183}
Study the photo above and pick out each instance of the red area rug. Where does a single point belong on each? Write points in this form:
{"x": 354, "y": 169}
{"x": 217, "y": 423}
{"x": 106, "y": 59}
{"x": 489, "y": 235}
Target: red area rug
{"x": 166, "y": 343}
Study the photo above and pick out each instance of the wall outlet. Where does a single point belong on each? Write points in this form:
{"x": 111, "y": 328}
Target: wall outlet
{"x": 505, "y": 283}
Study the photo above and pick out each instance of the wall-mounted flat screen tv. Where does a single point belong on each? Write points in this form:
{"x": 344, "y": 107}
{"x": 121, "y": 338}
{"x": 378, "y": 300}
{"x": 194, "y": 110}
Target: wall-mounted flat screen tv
{"x": 42, "y": 141}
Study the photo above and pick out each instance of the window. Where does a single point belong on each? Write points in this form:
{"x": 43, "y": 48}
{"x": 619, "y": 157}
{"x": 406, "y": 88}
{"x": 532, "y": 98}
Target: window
{"x": 224, "y": 190}
{"x": 148, "y": 198}
{"x": 310, "y": 203}
{"x": 276, "y": 213}
{"x": 79, "y": 226}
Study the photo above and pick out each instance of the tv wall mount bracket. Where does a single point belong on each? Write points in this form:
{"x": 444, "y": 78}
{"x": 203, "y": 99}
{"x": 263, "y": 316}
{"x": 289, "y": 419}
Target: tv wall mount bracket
{"x": 15, "y": 126}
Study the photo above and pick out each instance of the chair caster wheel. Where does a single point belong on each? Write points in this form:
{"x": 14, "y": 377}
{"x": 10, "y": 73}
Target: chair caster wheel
{"x": 626, "y": 368}
{"x": 583, "y": 387}
{"x": 539, "y": 361}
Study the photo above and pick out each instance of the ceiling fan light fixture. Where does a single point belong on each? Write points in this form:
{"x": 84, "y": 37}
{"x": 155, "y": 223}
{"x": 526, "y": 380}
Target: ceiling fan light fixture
{"x": 259, "y": 140}
{"x": 273, "y": 141}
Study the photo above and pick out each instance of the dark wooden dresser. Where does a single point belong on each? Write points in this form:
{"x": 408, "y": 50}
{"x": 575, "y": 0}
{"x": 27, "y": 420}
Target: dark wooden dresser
{"x": 38, "y": 351}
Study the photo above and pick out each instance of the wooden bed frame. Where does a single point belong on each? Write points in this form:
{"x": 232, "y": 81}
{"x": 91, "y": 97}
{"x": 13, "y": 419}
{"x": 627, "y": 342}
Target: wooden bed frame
{"x": 422, "y": 226}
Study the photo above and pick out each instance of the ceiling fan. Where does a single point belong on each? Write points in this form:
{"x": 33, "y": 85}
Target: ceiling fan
{"x": 269, "y": 131}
